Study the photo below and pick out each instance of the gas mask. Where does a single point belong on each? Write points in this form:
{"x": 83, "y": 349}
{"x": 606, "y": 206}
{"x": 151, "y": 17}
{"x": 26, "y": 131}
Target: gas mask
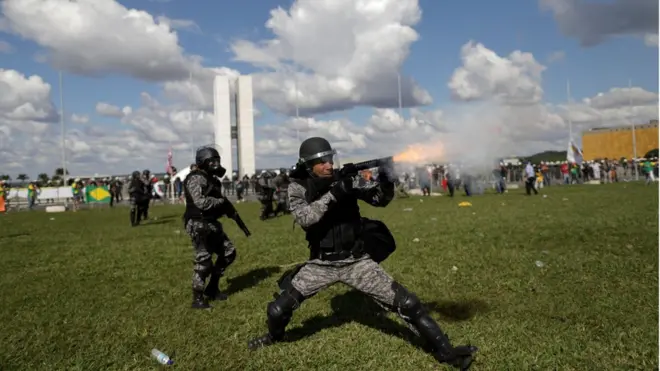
{"x": 215, "y": 168}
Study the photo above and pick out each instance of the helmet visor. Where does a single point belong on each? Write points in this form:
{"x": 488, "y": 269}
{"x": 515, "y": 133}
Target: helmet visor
{"x": 322, "y": 158}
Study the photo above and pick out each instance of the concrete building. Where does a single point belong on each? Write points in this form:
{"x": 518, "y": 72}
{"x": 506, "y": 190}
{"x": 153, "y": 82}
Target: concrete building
{"x": 243, "y": 129}
{"x": 617, "y": 142}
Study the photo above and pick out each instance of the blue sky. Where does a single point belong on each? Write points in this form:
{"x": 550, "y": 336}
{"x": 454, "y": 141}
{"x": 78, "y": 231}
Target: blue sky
{"x": 444, "y": 28}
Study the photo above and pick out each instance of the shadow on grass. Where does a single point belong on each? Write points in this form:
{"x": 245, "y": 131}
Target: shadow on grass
{"x": 15, "y": 235}
{"x": 159, "y": 221}
{"x": 249, "y": 279}
{"x": 355, "y": 306}
{"x": 171, "y": 216}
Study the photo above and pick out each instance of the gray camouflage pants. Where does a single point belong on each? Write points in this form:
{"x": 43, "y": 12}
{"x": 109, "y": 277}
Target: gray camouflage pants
{"x": 208, "y": 238}
{"x": 362, "y": 274}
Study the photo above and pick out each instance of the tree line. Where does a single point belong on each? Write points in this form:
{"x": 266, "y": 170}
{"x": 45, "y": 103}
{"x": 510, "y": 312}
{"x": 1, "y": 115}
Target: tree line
{"x": 42, "y": 179}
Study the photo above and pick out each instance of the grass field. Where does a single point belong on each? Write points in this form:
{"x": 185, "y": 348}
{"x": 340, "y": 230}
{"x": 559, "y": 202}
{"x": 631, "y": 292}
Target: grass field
{"x": 85, "y": 291}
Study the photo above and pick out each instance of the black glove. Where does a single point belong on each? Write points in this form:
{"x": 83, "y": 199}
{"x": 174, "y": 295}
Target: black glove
{"x": 343, "y": 188}
{"x": 384, "y": 176}
{"x": 348, "y": 170}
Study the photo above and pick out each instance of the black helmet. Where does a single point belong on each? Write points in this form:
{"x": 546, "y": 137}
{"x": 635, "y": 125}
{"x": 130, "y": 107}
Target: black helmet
{"x": 315, "y": 150}
{"x": 208, "y": 158}
{"x": 146, "y": 172}
{"x": 136, "y": 174}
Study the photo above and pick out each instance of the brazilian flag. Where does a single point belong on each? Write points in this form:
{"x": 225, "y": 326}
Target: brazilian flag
{"x": 99, "y": 195}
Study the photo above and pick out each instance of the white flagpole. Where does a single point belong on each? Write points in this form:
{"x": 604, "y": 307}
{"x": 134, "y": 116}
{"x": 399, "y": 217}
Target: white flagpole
{"x": 632, "y": 120}
{"x": 569, "y": 99}
{"x": 295, "y": 84}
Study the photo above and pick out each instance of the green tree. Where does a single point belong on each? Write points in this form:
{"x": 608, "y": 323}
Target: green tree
{"x": 56, "y": 180}
{"x": 42, "y": 179}
{"x": 22, "y": 177}
{"x": 60, "y": 172}
{"x": 5, "y": 177}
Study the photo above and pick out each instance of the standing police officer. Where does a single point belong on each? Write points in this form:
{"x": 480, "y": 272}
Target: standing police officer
{"x": 344, "y": 248}
{"x": 136, "y": 192}
{"x": 204, "y": 205}
{"x": 281, "y": 183}
{"x": 148, "y": 192}
{"x": 266, "y": 192}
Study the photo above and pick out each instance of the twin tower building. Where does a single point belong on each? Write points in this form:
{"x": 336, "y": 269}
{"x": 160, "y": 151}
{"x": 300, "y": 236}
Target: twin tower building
{"x": 242, "y": 131}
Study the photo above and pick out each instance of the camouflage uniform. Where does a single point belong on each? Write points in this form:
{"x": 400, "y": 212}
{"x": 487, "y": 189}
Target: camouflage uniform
{"x": 148, "y": 189}
{"x": 355, "y": 267}
{"x": 359, "y": 272}
{"x": 207, "y": 235}
{"x": 281, "y": 183}
{"x": 265, "y": 196}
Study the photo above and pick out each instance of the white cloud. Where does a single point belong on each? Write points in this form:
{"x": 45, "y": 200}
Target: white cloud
{"x": 79, "y": 119}
{"x": 109, "y": 110}
{"x": 502, "y": 113}
{"x": 484, "y": 74}
{"x": 25, "y": 98}
{"x": 140, "y": 45}
{"x": 29, "y": 138}
{"x": 179, "y": 24}
{"x": 100, "y": 37}
{"x": 331, "y": 55}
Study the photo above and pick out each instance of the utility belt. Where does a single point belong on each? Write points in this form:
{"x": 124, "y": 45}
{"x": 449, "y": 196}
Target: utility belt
{"x": 332, "y": 256}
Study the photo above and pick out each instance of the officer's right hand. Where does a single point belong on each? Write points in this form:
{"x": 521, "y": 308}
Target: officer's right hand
{"x": 343, "y": 188}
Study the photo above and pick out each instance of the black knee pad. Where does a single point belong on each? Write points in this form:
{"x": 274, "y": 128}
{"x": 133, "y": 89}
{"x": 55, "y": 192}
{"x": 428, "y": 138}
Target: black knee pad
{"x": 284, "y": 304}
{"x": 204, "y": 266}
{"x": 407, "y": 302}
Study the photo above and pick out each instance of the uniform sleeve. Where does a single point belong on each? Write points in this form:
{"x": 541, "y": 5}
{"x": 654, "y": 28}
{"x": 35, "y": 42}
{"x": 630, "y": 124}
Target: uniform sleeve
{"x": 131, "y": 187}
{"x": 195, "y": 186}
{"x": 307, "y": 214}
{"x": 378, "y": 194}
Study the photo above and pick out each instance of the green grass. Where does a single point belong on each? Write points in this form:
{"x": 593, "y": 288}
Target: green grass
{"x": 84, "y": 291}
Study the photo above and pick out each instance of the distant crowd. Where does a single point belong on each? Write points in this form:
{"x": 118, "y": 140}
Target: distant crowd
{"x": 435, "y": 176}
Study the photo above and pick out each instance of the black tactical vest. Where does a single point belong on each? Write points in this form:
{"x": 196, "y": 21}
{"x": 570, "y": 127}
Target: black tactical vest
{"x": 340, "y": 227}
{"x": 137, "y": 188}
{"x": 213, "y": 189}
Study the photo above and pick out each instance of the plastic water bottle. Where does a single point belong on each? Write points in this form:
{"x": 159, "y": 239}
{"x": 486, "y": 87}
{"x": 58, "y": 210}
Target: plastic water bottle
{"x": 161, "y": 357}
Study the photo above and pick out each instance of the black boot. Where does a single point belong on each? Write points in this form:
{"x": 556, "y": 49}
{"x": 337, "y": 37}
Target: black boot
{"x": 212, "y": 291}
{"x": 261, "y": 341}
{"x": 279, "y": 314}
{"x": 199, "y": 301}
{"x": 460, "y": 357}
{"x": 134, "y": 218}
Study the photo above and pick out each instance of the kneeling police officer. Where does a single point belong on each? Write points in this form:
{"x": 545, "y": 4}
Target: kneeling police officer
{"x": 204, "y": 200}
{"x": 344, "y": 247}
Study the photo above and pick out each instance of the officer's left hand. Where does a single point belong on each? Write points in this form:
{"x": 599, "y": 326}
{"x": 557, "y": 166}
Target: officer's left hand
{"x": 348, "y": 170}
{"x": 384, "y": 175}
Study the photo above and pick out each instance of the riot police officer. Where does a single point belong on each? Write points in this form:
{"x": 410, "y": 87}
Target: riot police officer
{"x": 204, "y": 200}
{"x": 136, "y": 194}
{"x": 344, "y": 247}
{"x": 265, "y": 194}
{"x": 148, "y": 193}
{"x": 281, "y": 183}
